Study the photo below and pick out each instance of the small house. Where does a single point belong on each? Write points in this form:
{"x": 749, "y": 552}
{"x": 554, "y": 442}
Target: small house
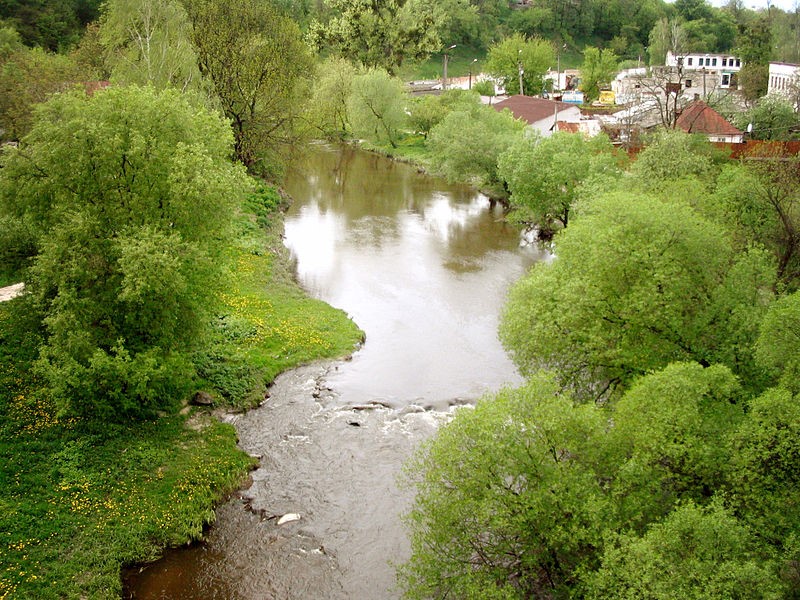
{"x": 540, "y": 114}
{"x": 699, "y": 117}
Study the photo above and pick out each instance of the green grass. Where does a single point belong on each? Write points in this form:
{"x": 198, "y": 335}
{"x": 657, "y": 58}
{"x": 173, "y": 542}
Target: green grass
{"x": 269, "y": 324}
{"x": 76, "y": 506}
{"x": 411, "y": 148}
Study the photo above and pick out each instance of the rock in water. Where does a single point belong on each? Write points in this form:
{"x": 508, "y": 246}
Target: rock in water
{"x": 288, "y": 518}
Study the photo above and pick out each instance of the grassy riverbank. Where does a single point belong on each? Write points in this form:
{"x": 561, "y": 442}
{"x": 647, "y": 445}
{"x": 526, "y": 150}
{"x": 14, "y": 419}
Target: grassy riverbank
{"x": 411, "y": 149}
{"x": 76, "y": 506}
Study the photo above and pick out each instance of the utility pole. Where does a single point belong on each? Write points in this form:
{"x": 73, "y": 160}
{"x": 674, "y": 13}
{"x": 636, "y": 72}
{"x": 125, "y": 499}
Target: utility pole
{"x": 444, "y": 68}
{"x": 519, "y": 66}
{"x": 704, "y": 84}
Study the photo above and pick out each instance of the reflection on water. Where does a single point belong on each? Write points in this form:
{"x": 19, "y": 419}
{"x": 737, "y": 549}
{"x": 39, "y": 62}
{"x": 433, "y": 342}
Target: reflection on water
{"x": 421, "y": 266}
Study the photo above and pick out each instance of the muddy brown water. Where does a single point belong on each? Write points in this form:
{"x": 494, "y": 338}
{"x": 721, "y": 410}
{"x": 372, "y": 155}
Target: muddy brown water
{"x": 423, "y": 267}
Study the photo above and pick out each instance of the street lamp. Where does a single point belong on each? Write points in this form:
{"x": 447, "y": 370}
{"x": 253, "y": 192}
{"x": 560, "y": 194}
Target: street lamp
{"x": 519, "y": 66}
{"x": 474, "y": 60}
{"x": 558, "y": 67}
{"x": 444, "y": 68}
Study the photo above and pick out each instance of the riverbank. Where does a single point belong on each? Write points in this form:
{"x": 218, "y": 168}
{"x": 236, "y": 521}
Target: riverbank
{"x": 78, "y": 506}
{"x": 423, "y": 266}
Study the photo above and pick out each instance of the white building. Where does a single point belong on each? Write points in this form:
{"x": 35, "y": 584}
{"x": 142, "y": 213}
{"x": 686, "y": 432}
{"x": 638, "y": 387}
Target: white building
{"x": 784, "y": 79}
{"x": 721, "y": 68}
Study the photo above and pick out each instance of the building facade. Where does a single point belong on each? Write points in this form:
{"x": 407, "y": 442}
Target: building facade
{"x": 784, "y": 79}
{"x": 719, "y": 68}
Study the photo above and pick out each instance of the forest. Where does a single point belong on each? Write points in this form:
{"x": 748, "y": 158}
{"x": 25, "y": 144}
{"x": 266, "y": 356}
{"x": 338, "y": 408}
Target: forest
{"x": 653, "y": 451}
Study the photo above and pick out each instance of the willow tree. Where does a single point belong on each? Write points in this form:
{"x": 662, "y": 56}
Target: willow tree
{"x": 376, "y": 106}
{"x": 259, "y": 70}
{"x": 638, "y": 283}
{"x": 545, "y": 175}
{"x": 129, "y": 194}
{"x": 384, "y": 33}
{"x": 148, "y": 42}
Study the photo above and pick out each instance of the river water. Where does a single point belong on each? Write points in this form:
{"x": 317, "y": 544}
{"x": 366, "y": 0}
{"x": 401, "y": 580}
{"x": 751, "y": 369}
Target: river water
{"x": 422, "y": 267}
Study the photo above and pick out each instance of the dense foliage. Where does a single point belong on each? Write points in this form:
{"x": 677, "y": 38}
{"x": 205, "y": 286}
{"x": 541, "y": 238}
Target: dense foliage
{"x": 532, "y": 494}
{"x": 653, "y": 451}
{"x": 128, "y": 196}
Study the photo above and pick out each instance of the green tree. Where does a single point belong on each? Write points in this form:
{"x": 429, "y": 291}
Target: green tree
{"x": 428, "y": 111}
{"x": 763, "y": 479}
{"x": 28, "y": 77}
{"x": 327, "y": 110}
{"x": 519, "y": 498}
{"x": 50, "y": 24}
{"x": 129, "y": 194}
{"x": 637, "y": 283}
{"x": 695, "y": 553}
{"x": 10, "y": 41}
{"x": 672, "y": 155}
{"x": 668, "y": 440}
{"x": 778, "y": 345}
{"x": 667, "y": 35}
{"x": 508, "y": 504}
{"x": 149, "y": 42}
{"x": 598, "y": 69}
{"x": 259, "y": 69}
{"x": 545, "y": 175}
{"x": 467, "y": 143}
{"x": 377, "y": 106}
{"x": 754, "y": 46}
{"x": 759, "y": 200}
{"x": 516, "y": 52}
{"x": 382, "y": 34}
{"x": 771, "y": 117}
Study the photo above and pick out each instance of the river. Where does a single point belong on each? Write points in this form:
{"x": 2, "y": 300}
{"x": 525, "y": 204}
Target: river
{"x": 423, "y": 267}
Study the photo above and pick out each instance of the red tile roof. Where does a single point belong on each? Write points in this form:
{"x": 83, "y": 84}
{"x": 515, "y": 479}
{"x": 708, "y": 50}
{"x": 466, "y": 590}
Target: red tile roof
{"x": 699, "y": 117}
{"x": 569, "y": 127}
{"x": 531, "y": 109}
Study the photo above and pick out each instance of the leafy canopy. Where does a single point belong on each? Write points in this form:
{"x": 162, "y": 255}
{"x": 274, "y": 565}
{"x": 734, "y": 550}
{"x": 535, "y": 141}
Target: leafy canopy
{"x": 545, "y": 175}
{"x": 376, "y": 106}
{"x": 533, "y": 56}
{"x": 532, "y": 495}
{"x": 598, "y": 69}
{"x": 637, "y": 283}
{"x": 467, "y": 142}
{"x": 129, "y": 194}
{"x": 258, "y": 66}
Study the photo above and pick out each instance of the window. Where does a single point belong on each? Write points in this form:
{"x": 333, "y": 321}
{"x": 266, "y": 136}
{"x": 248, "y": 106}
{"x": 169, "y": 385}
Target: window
{"x": 688, "y": 83}
{"x": 738, "y": 63}
{"x": 713, "y": 62}
{"x": 726, "y": 80}
{"x": 689, "y": 61}
{"x": 724, "y": 62}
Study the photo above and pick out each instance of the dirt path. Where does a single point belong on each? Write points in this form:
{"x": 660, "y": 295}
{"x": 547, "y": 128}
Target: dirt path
{"x": 11, "y": 291}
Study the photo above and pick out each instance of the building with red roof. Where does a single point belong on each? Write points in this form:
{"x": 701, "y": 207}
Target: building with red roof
{"x": 699, "y": 117}
{"x": 539, "y": 113}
